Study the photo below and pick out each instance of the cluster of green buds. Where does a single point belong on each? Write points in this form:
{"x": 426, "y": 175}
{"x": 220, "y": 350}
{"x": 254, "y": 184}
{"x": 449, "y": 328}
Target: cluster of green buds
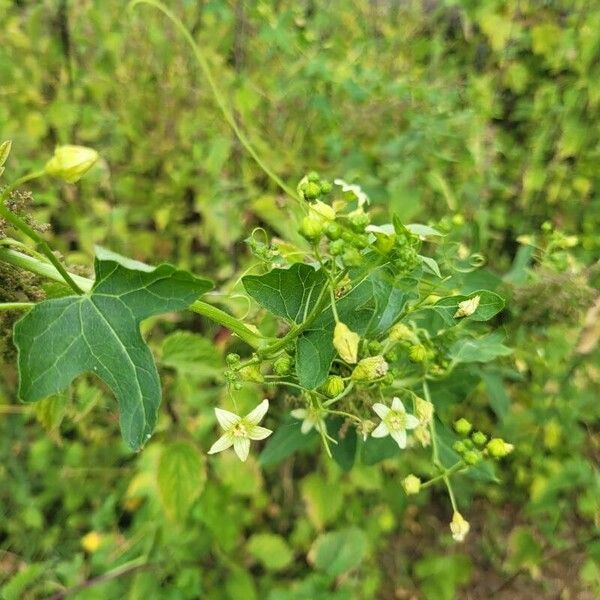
{"x": 344, "y": 225}
{"x": 475, "y": 445}
{"x": 266, "y": 251}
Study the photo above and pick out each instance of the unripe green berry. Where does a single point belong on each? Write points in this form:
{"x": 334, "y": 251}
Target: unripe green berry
{"x": 311, "y": 229}
{"x": 283, "y": 364}
{"x": 391, "y": 356}
{"x": 462, "y": 426}
{"x": 333, "y": 386}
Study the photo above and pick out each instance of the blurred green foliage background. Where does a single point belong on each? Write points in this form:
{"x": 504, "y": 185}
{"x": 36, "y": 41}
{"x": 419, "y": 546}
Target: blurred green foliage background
{"x": 477, "y": 116}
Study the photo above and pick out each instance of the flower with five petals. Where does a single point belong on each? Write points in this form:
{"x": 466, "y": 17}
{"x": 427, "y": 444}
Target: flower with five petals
{"x": 394, "y": 421}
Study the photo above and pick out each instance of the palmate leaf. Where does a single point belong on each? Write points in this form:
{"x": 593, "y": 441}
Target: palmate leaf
{"x": 98, "y": 332}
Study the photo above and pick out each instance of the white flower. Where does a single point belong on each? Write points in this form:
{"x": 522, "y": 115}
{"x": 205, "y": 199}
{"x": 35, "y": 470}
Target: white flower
{"x": 240, "y": 430}
{"x": 354, "y": 189}
{"x": 311, "y": 417}
{"x": 459, "y": 527}
{"x": 394, "y": 421}
{"x": 467, "y": 307}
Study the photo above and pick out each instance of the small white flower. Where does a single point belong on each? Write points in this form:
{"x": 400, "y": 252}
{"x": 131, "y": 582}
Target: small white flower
{"x": 467, "y": 307}
{"x": 361, "y": 197}
{"x": 311, "y": 417}
{"x": 394, "y": 421}
{"x": 240, "y": 430}
{"x": 459, "y": 527}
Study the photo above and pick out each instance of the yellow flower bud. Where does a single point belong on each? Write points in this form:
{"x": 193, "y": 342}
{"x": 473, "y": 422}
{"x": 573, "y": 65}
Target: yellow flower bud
{"x": 423, "y": 435}
{"x": 346, "y": 342}
{"x": 251, "y": 373}
{"x": 91, "y": 541}
{"x": 459, "y": 527}
{"x": 71, "y": 163}
{"x": 411, "y": 485}
{"x": 334, "y": 386}
{"x": 401, "y": 333}
{"x": 467, "y": 307}
{"x": 424, "y": 410}
{"x": 498, "y": 448}
{"x": 320, "y": 210}
{"x": 417, "y": 353}
{"x": 369, "y": 369}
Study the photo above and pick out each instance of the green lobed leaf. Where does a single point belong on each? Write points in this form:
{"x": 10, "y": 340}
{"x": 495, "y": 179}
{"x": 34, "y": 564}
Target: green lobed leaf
{"x": 490, "y": 304}
{"x": 339, "y": 551}
{"x": 483, "y": 349}
{"x": 287, "y": 293}
{"x": 98, "y": 333}
{"x": 181, "y": 477}
{"x": 190, "y": 353}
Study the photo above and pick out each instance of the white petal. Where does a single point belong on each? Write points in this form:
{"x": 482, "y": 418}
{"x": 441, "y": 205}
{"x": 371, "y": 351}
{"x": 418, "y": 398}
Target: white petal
{"x": 380, "y": 431}
{"x": 299, "y": 413}
{"x": 241, "y": 445}
{"x": 226, "y": 419}
{"x": 412, "y": 422}
{"x": 306, "y": 426}
{"x": 381, "y": 409}
{"x": 224, "y": 442}
{"x": 255, "y": 416}
{"x": 399, "y": 438}
{"x": 397, "y": 405}
{"x": 259, "y": 433}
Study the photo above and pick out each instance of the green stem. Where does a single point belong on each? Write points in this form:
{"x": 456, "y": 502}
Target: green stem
{"x": 222, "y": 318}
{"x": 434, "y": 444}
{"x": 16, "y": 305}
{"x": 23, "y": 261}
{"x": 218, "y": 96}
{"x": 19, "y": 224}
{"x": 459, "y": 466}
{"x": 18, "y": 259}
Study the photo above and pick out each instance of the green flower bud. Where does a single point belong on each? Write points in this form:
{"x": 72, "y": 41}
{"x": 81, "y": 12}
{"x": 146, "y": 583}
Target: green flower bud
{"x": 334, "y": 386}
{"x": 337, "y": 247}
{"x": 71, "y": 163}
{"x": 360, "y": 241}
{"x": 462, "y": 426}
{"x": 479, "y": 438}
{"x": 346, "y": 342}
{"x": 370, "y": 369}
{"x": 313, "y": 177}
{"x": 232, "y": 359}
{"x": 312, "y": 190}
{"x": 358, "y": 220}
{"x": 498, "y": 448}
{"x": 283, "y": 364}
{"x": 471, "y": 457}
{"x": 311, "y": 228}
{"x": 417, "y": 353}
{"x": 374, "y": 347}
{"x": 391, "y": 356}
{"x": 251, "y": 373}
{"x": 411, "y": 485}
{"x": 384, "y": 243}
{"x": 401, "y": 333}
{"x": 326, "y": 187}
{"x": 333, "y": 231}
{"x": 458, "y": 447}
{"x": 352, "y": 257}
